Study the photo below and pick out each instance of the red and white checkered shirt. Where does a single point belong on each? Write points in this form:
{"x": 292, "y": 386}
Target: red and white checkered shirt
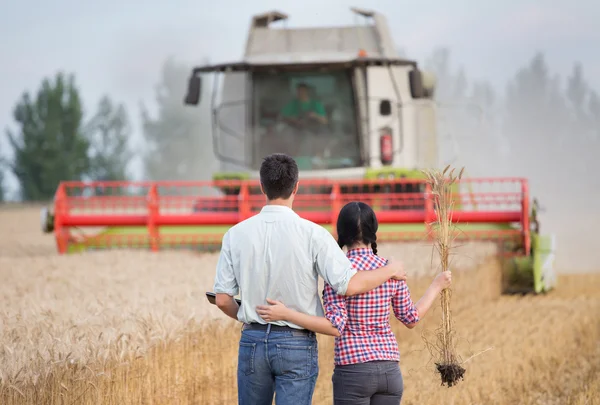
{"x": 364, "y": 320}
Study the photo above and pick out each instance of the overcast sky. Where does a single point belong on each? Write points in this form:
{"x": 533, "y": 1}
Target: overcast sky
{"x": 118, "y": 47}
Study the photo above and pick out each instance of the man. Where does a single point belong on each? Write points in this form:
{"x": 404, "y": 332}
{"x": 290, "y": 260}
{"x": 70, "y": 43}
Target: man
{"x": 303, "y": 111}
{"x": 279, "y": 255}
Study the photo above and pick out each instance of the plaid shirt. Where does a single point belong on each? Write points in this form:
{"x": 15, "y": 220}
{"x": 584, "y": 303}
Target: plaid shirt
{"x": 364, "y": 320}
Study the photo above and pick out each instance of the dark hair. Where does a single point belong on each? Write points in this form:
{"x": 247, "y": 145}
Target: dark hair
{"x": 302, "y": 85}
{"x": 357, "y": 223}
{"x": 278, "y": 176}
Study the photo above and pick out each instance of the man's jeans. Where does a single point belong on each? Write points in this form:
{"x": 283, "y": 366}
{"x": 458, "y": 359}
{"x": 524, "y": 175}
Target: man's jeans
{"x": 284, "y": 363}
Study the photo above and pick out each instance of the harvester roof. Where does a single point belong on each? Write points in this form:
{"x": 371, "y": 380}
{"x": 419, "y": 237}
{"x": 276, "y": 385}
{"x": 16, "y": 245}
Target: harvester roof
{"x": 306, "y": 47}
{"x": 334, "y": 62}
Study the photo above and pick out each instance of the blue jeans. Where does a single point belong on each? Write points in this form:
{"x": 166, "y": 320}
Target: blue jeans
{"x": 284, "y": 363}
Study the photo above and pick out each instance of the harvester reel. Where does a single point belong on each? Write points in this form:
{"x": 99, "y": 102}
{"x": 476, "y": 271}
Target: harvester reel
{"x": 47, "y": 220}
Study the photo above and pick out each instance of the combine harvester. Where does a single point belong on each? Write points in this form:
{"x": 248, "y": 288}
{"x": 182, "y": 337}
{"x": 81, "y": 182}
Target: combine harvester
{"x": 371, "y": 131}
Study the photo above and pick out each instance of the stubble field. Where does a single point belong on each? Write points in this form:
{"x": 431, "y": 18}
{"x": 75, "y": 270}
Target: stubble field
{"x": 135, "y": 328}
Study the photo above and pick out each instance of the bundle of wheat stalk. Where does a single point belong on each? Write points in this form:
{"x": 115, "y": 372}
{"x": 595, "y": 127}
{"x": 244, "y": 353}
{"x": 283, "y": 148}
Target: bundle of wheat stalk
{"x": 441, "y": 192}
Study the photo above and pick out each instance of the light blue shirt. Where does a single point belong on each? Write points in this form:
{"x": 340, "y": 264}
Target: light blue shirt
{"x": 277, "y": 254}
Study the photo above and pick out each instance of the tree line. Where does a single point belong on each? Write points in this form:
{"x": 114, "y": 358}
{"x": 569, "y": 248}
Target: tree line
{"x": 535, "y": 118}
{"x": 539, "y": 126}
{"x": 53, "y": 141}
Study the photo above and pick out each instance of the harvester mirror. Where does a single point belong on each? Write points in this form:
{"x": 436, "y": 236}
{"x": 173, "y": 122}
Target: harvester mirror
{"x": 194, "y": 90}
{"x": 385, "y": 108}
{"x": 416, "y": 83}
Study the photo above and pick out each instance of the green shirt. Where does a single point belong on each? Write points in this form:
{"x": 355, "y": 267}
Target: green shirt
{"x": 296, "y": 107}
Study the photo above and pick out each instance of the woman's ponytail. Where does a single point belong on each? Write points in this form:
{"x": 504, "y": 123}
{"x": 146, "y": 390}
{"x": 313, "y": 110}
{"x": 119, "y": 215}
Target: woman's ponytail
{"x": 374, "y": 247}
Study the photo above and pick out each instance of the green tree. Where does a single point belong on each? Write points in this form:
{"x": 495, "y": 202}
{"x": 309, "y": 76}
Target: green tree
{"x": 577, "y": 90}
{"x": 594, "y": 111}
{"x": 584, "y": 105}
{"x": 178, "y": 141}
{"x": 109, "y": 132}
{"x": 536, "y": 106}
{"x": 2, "y": 191}
{"x": 49, "y": 145}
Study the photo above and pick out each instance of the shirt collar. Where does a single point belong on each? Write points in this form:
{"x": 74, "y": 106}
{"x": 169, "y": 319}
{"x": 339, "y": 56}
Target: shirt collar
{"x": 359, "y": 252}
{"x": 276, "y": 208}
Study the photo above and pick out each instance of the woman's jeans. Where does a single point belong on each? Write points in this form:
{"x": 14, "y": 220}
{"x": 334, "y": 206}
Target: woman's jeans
{"x": 375, "y": 383}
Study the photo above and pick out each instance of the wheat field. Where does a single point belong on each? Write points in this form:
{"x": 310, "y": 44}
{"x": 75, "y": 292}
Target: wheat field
{"x": 134, "y": 327}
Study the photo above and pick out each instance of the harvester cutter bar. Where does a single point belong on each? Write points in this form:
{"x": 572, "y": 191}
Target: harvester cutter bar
{"x": 175, "y": 214}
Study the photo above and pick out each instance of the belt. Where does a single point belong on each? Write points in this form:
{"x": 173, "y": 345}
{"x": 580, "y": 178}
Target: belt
{"x": 274, "y": 328}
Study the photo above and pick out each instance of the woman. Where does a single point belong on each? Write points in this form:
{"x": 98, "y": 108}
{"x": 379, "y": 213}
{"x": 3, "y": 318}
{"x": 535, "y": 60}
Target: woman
{"x": 366, "y": 353}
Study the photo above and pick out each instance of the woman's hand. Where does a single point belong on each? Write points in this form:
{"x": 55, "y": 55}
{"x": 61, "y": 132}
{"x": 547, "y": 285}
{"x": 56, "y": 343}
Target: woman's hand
{"x": 275, "y": 311}
{"x": 443, "y": 280}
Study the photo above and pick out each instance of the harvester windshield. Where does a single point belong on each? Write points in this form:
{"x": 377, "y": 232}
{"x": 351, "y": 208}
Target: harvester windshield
{"x": 308, "y": 115}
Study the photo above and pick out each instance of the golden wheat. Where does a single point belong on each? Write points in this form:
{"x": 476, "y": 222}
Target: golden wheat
{"x": 441, "y": 183}
{"x": 135, "y": 328}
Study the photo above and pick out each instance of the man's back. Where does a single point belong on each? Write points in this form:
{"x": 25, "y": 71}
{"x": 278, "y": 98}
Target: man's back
{"x": 279, "y": 255}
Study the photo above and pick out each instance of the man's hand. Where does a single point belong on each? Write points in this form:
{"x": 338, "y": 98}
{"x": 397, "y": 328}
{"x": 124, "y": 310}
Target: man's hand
{"x": 276, "y": 311}
{"x": 295, "y": 122}
{"x": 364, "y": 281}
{"x": 398, "y": 268}
{"x": 316, "y": 117}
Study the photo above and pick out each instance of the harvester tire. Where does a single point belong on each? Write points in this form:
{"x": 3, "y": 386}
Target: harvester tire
{"x": 47, "y": 220}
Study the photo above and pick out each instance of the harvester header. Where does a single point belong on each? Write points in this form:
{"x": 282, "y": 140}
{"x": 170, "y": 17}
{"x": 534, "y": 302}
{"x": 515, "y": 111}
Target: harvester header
{"x": 167, "y": 214}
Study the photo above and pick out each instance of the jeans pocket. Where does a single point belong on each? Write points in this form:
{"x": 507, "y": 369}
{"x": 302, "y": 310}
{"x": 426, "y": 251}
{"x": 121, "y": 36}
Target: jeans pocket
{"x": 395, "y": 382}
{"x": 246, "y": 357}
{"x": 297, "y": 360}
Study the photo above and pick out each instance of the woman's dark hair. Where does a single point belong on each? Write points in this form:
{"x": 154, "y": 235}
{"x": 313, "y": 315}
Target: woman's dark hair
{"x": 357, "y": 223}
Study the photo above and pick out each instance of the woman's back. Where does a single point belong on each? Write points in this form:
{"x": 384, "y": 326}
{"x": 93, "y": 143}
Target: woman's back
{"x": 364, "y": 320}
{"x": 369, "y": 312}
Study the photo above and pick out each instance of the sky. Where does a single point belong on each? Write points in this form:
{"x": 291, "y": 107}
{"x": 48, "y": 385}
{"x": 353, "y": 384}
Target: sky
{"x": 118, "y": 48}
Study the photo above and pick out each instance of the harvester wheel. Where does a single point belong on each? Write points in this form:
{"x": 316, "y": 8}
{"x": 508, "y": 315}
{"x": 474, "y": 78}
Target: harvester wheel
{"x": 47, "y": 220}
{"x": 216, "y": 207}
{"x": 416, "y": 203}
{"x": 408, "y": 203}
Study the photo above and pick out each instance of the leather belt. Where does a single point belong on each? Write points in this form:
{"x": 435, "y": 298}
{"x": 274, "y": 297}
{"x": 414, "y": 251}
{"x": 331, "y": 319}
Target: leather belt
{"x": 274, "y": 328}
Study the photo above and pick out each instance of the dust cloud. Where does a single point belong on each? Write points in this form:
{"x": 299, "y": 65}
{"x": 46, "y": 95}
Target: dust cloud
{"x": 540, "y": 127}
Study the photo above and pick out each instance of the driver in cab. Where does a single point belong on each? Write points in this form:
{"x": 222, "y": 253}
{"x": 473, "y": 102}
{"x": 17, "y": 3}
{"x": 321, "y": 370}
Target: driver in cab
{"x": 303, "y": 112}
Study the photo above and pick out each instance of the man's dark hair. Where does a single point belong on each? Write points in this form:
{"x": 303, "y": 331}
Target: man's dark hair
{"x": 302, "y": 85}
{"x": 278, "y": 176}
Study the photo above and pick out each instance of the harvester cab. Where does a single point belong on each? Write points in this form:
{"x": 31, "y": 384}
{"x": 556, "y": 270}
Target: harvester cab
{"x": 340, "y": 100}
